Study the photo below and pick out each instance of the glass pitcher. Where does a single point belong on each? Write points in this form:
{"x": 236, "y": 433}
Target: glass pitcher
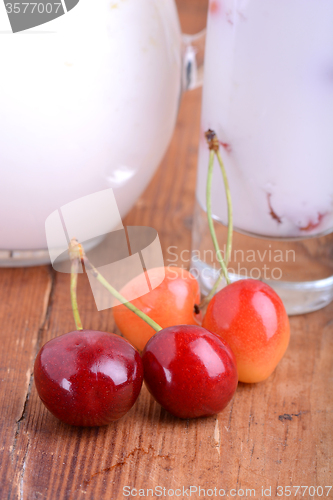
{"x": 88, "y": 102}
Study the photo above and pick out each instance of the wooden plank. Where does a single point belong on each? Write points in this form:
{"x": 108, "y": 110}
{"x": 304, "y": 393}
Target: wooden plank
{"x": 25, "y": 298}
{"x": 275, "y": 433}
{"x": 252, "y": 444}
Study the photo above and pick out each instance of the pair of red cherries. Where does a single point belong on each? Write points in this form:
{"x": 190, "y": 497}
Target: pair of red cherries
{"x": 91, "y": 378}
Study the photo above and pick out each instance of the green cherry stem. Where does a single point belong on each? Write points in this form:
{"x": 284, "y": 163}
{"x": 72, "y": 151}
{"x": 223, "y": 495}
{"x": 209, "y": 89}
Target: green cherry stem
{"x": 213, "y": 144}
{"x": 113, "y": 291}
{"x": 75, "y": 259}
{"x": 230, "y": 227}
{"x": 210, "y": 218}
{"x": 229, "y": 204}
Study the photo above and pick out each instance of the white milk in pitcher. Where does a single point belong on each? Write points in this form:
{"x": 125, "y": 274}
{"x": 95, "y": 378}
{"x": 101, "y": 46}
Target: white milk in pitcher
{"x": 88, "y": 101}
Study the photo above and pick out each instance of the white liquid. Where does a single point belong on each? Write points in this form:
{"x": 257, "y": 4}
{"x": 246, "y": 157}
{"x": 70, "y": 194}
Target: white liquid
{"x": 87, "y": 102}
{"x": 268, "y": 94}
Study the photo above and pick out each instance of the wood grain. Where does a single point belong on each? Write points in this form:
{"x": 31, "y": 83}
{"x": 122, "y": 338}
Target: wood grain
{"x": 275, "y": 433}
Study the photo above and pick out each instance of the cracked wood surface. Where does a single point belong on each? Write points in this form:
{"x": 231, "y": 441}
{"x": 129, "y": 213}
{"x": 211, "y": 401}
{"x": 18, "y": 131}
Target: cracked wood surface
{"x": 275, "y": 433}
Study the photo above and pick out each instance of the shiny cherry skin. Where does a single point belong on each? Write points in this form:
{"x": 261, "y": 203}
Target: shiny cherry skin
{"x": 170, "y": 303}
{"x": 190, "y": 371}
{"x": 88, "y": 378}
{"x": 251, "y": 318}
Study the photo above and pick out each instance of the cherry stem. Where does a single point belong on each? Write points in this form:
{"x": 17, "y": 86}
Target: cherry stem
{"x": 229, "y": 205}
{"x": 213, "y": 144}
{"x": 75, "y": 259}
{"x": 113, "y": 291}
{"x": 210, "y": 218}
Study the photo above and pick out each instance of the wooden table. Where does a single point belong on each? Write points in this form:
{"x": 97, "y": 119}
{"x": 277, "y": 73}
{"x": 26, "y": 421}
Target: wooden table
{"x": 277, "y": 433}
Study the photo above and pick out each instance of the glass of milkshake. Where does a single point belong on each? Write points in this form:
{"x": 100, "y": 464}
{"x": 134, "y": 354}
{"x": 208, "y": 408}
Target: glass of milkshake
{"x": 268, "y": 94}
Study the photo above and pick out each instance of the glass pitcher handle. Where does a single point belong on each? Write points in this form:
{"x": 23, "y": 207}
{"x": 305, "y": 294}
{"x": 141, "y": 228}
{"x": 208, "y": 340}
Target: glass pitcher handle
{"x": 193, "y": 60}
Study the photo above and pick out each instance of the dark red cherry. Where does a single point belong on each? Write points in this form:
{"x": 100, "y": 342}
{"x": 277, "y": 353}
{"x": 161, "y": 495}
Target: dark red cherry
{"x": 88, "y": 378}
{"x": 190, "y": 371}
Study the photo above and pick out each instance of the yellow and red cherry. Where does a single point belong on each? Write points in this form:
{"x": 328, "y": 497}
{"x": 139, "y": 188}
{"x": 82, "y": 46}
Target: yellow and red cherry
{"x": 173, "y": 302}
{"x": 251, "y": 318}
{"x": 190, "y": 371}
{"x": 88, "y": 378}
